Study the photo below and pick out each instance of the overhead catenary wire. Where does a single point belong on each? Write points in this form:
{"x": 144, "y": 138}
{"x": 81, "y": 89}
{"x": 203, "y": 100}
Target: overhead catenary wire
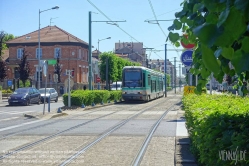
{"x": 118, "y": 25}
{"x": 153, "y": 11}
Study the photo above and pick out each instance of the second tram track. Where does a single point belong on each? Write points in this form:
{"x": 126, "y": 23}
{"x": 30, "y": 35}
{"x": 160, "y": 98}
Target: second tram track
{"x": 112, "y": 129}
{"x": 58, "y": 133}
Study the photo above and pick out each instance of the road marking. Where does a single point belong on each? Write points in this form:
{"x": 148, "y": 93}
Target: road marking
{"x": 9, "y": 118}
{"x": 23, "y": 124}
{"x": 14, "y": 112}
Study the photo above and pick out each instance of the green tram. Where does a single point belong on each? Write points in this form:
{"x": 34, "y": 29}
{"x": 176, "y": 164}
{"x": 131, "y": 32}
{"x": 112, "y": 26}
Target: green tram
{"x": 141, "y": 83}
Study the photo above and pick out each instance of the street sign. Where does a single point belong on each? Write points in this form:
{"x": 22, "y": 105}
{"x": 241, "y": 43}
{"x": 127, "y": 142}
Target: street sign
{"x": 186, "y": 57}
{"x": 52, "y": 62}
{"x": 187, "y": 46}
{"x": 71, "y": 83}
{"x": 9, "y": 83}
{"x": 45, "y": 67}
{"x": 98, "y": 79}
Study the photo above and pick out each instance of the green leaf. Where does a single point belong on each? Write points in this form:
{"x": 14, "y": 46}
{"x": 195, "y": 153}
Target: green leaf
{"x": 197, "y": 7}
{"x": 245, "y": 44}
{"x": 241, "y": 4}
{"x": 204, "y": 73}
{"x": 227, "y": 52}
{"x": 184, "y": 19}
{"x": 209, "y": 60}
{"x": 177, "y": 44}
{"x": 178, "y": 24}
{"x": 240, "y": 61}
{"x": 223, "y": 16}
{"x": 173, "y": 37}
{"x": 211, "y": 18}
{"x": 207, "y": 33}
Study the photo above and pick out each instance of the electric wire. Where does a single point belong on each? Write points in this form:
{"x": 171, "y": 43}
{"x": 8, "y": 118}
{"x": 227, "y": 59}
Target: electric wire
{"x": 118, "y": 25}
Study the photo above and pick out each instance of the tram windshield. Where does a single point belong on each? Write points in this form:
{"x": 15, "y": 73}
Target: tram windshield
{"x": 132, "y": 78}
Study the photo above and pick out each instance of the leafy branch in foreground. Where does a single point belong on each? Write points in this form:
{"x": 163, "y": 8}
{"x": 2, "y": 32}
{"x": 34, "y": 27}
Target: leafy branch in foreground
{"x": 220, "y": 32}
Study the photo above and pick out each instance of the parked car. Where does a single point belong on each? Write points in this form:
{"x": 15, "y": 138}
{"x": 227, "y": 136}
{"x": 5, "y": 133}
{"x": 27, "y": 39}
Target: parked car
{"x": 49, "y": 92}
{"x": 25, "y": 96}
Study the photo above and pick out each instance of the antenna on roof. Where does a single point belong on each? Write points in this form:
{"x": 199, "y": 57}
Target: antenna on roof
{"x": 51, "y": 21}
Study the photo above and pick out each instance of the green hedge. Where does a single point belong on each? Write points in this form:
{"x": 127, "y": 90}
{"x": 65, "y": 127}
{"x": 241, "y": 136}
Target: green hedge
{"x": 116, "y": 95}
{"x": 169, "y": 88}
{"x": 87, "y": 97}
{"x": 7, "y": 91}
{"x": 217, "y": 124}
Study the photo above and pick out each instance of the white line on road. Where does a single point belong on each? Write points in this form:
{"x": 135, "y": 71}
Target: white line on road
{"x": 14, "y": 112}
{"x": 23, "y": 124}
{"x": 9, "y": 119}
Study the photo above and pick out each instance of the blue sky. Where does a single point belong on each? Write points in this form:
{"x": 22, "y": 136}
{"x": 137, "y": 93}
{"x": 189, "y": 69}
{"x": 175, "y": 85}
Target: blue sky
{"x": 21, "y": 17}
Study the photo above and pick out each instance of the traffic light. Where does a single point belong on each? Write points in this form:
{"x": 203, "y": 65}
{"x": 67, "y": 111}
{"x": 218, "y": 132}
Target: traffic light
{"x": 72, "y": 73}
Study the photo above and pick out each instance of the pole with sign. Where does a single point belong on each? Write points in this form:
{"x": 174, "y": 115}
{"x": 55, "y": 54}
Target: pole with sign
{"x": 187, "y": 61}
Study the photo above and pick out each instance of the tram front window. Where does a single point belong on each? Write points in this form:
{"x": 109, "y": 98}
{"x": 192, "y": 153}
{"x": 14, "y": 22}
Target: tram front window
{"x": 132, "y": 78}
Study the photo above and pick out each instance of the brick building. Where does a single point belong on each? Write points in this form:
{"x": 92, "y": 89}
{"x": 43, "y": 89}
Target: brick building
{"x": 54, "y": 41}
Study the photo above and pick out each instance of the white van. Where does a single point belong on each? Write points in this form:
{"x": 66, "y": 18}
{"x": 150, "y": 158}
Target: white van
{"x": 117, "y": 86}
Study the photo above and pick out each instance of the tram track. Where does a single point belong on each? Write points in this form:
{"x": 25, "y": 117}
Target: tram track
{"x": 38, "y": 142}
{"x": 114, "y": 128}
{"x": 54, "y": 122}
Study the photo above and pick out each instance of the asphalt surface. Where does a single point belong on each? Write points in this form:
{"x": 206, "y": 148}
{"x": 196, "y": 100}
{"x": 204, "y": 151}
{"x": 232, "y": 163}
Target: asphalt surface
{"x": 14, "y": 115}
{"x": 117, "y": 149}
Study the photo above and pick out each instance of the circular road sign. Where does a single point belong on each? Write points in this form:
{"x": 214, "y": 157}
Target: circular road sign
{"x": 187, "y": 46}
{"x": 98, "y": 79}
{"x": 186, "y": 57}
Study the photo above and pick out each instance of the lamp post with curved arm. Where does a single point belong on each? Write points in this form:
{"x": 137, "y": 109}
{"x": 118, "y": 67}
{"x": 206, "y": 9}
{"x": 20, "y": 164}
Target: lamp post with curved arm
{"x": 39, "y": 49}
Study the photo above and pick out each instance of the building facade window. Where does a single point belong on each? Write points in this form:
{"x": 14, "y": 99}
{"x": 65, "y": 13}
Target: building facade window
{"x": 57, "y": 52}
{"x": 37, "y": 52}
{"x": 79, "y": 53}
{"x": 19, "y": 53}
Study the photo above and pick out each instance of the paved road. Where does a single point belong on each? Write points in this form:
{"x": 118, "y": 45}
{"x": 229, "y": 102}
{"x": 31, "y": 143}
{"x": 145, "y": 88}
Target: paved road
{"x": 14, "y": 115}
{"x": 117, "y": 148}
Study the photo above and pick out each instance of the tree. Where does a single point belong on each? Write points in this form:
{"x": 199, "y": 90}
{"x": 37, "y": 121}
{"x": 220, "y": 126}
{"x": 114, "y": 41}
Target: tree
{"x": 3, "y": 68}
{"x": 220, "y": 34}
{"x": 24, "y": 68}
{"x": 4, "y": 37}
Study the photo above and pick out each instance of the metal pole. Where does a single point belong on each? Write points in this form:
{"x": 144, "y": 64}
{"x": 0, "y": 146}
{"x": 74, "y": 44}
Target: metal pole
{"x": 45, "y": 97}
{"x": 180, "y": 80}
{"x": 98, "y": 48}
{"x": 175, "y": 73}
{"x": 39, "y": 54}
{"x": 106, "y": 73}
{"x": 165, "y": 70}
{"x": 90, "y": 52}
{"x": 69, "y": 94}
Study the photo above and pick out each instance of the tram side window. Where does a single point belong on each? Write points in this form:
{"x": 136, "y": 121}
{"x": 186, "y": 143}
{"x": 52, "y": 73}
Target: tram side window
{"x": 161, "y": 85}
{"x": 153, "y": 86}
{"x": 149, "y": 79}
{"x": 144, "y": 80}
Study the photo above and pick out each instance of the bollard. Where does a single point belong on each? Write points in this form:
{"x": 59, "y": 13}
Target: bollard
{"x": 48, "y": 103}
{"x": 83, "y": 106}
{"x": 59, "y": 110}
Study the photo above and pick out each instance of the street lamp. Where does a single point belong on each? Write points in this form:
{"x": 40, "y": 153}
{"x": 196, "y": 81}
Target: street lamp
{"x": 101, "y": 40}
{"x": 39, "y": 51}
